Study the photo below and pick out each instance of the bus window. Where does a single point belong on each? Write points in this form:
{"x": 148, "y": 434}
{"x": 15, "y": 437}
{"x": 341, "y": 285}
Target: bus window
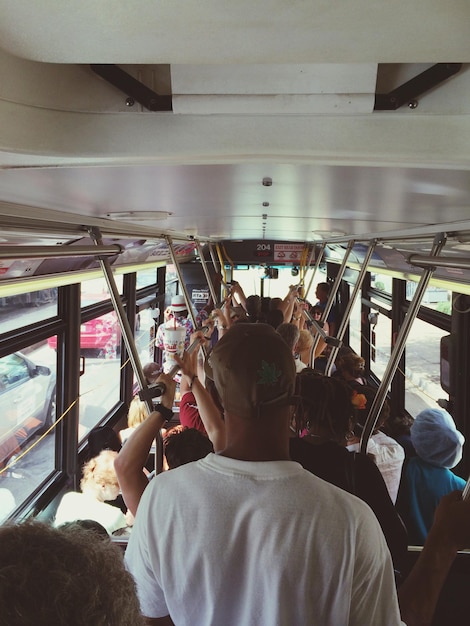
{"x": 100, "y": 340}
{"x": 27, "y": 410}
{"x": 355, "y": 327}
{"x": 423, "y": 388}
{"x": 381, "y": 339}
{"x": 27, "y": 308}
{"x": 96, "y": 290}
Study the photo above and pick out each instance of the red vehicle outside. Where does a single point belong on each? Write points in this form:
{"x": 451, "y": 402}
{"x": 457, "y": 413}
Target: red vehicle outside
{"x": 99, "y": 337}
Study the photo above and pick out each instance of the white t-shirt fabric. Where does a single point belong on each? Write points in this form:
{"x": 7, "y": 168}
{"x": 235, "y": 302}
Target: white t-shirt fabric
{"x": 389, "y": 457}
{"x": 80, "y": 506}
{"x": 299, "y": 366}
{"x": 223, "y": 541}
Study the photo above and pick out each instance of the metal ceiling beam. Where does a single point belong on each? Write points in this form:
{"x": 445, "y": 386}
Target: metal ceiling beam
{"x": 412, "y": 89}
{"x": 133, "y": 88}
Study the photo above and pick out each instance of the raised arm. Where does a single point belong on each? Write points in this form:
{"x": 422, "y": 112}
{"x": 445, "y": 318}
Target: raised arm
{"x": 131, "y": 459}
{"x": 288, "y": 304}
{"x": 419, "y": 593}
{"x": 208, "y": 411}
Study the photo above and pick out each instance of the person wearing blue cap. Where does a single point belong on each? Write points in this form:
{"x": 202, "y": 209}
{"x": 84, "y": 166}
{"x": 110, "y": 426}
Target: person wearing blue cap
{"x": 427, "y": 476}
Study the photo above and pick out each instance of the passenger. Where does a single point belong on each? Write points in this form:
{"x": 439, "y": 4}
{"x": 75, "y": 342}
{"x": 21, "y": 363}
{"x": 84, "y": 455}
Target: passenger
{"x": 138, "y": 412}
{"x": 274, "y": 317}
{"x": 151, "y": 372}
{"x": 290, "y": 333}
{"x": 350, "y": 368}
{"x": 399, "y": 428}
{"x": 130, "y": 461}
{"x": 257, "y": 441}
{"x": 99, "y": 485}
{"x": 323, "y": 293}
{"x": 253, "y": 308}
{"x": 178, "y": 311}
{"x": 427, "y": 476}
{"x": 304, "y": 346}
{"x": 327, "y": 413}
{"x": 62, "y": 577}
{"x": 183, "y": 445}
{"x": 316, "y": 312}
{"x": 387, "y": 453}
{"x": 264, "y": 525}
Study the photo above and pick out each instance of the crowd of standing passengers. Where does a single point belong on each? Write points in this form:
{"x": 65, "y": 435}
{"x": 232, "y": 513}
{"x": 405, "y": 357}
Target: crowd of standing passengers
{"x": 280, "y": 503}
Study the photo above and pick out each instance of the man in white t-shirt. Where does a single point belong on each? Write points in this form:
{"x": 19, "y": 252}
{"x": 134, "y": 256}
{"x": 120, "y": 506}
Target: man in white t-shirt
{"x": 248, "y": 537}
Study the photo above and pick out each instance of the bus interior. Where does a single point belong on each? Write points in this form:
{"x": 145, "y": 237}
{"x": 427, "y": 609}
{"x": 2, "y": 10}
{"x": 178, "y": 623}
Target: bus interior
{"x": 145, "y": 147}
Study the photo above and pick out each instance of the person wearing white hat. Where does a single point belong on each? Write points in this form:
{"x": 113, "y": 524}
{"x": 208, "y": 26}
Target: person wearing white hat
{"x": 178, "y": 317}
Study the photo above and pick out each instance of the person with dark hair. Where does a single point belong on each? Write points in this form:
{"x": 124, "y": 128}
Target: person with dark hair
{"x": 274, "y": 317}
{"x": 284, "y": 539}
{"x": 326, "y": 417}
{"x": 183, "y": 445}
{"x": 253, "y": 308}
{"x": 322, "y": 292}
{"x": 266, "y": 526}
{"x": 62, "y": 577}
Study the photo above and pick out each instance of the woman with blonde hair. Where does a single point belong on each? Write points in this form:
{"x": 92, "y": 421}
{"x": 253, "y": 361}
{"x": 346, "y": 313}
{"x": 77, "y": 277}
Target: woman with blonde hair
{"x": 137, "y": 414}
{"x": 98, "y": 485}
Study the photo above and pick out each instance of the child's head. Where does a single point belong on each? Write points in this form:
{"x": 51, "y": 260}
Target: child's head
{"x": 436, "y": 439}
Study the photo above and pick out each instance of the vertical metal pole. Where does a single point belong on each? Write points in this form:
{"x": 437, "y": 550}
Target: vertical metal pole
{"x": 127, "y": 334}
{"x": 317, "y": 265}
{"x": 206, "y": 273}
{"x": 333, "y": 292}
{"x": 180, "y": 279}
{"x": 347, "y": 314}
{"x": 215, "y": 262}
{"x": 378, "y": 402}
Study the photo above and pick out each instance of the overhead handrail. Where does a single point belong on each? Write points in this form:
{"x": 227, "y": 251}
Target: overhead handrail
{"x": 397, "y": 351}
{"x": 453, "y": 262}
{"x": 127, "y": 335}
{"x": 49, "y": 252}
{"x": 347, "y": 314}
{"x": 333, "y": 292}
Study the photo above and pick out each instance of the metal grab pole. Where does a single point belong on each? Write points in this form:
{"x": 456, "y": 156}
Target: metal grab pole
{"x": 347, "y": 314}
{"x": 206, "y": 273}
{"x": 128, "y": 336}
{"x": 127, "y": 332}
{"x": 379, "y": 399}
{"x": 333, "y": 292}
{"x": 317, "y": 265}
{"x": 181, "y": 282}
{"x": 214, "y": 260}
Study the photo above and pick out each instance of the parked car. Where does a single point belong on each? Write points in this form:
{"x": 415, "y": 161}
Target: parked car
{"x": 27, "y": 402}
{"x": 99, "y": 337}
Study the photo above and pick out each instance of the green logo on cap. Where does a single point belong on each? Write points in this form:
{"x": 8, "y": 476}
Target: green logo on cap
{"x": 267, "y": 374}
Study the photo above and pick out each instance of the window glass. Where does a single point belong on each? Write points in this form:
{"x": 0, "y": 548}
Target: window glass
{"x": 355, "y": 326}
{"x": 145, "y": 336}
{"x": 27, "y": 308}
{"x": 100, "y": 345}
{"x": 434, "y": 298}
{"x": 381, "y": 337}
{"x": 422, "y": 385}
{"x": 96, "y": 290}
{"x": 27, "y": 411}
{"x": 381, "y": 282}
{"x": 146, "y": 277}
